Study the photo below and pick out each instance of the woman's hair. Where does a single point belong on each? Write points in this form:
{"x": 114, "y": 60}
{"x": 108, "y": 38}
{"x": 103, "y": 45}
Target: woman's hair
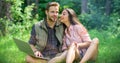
{"x": 72, "y": 16}
{"x": 51, "y": 4}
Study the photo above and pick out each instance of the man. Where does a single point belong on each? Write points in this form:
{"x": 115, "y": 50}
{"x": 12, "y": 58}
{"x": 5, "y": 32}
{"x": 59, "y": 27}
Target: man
{"x": 46, "y": 35}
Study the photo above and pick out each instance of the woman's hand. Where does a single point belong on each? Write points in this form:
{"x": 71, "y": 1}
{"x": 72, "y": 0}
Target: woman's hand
{"x": 76, "y": 44}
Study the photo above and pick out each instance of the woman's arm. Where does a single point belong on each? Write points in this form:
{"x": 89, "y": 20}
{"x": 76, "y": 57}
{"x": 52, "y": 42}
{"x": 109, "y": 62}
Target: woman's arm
{"x": 83, "y": 33}
{"x": 83, "y": 45}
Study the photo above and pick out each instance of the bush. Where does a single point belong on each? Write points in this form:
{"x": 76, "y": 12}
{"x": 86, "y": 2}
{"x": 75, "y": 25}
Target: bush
{"x": 95, "y": 21}
{"x": 3, "y": 26}
{"x": 22, "y": 18}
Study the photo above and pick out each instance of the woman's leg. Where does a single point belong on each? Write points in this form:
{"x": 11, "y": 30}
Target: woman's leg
{"x": 71, "y": 53}
{"x": 60, "y": 58}
{"x": 91, "y": 52}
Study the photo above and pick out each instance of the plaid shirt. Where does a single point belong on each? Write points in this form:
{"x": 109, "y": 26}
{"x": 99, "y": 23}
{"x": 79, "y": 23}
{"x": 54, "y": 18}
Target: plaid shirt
{"x": 52, "y": 43}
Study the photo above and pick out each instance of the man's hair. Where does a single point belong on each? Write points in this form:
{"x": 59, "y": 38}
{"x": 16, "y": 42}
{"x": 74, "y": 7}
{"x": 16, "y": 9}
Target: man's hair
{"x": 52, "y": 4}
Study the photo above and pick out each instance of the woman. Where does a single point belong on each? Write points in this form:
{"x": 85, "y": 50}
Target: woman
{"x": 76, "y": 42}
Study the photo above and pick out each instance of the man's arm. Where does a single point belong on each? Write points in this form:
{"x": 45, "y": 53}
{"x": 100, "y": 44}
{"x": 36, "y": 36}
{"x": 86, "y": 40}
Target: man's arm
{"x": 32, "y": 43}
{"x": 33, "y": 48}
{"x": 36, "y": 52}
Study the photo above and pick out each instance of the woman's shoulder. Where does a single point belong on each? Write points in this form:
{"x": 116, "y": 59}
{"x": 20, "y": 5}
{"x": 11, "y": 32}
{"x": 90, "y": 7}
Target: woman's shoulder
{"x": 80, "y": 27}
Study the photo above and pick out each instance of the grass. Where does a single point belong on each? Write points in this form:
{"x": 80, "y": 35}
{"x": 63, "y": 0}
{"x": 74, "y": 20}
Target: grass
{"x": 108, "y": 48}
{"x": 109, "y": 52}
{"x": 9, "y": 52}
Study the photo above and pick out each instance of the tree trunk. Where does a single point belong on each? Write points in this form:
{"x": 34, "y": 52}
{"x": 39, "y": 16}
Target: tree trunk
{"x": 4, "y": 9}
{"x": 8, "y": 5}
{"x": 37, "y": 5}
{"x": 84, "y": 6}
{"x": 108, "y": 7}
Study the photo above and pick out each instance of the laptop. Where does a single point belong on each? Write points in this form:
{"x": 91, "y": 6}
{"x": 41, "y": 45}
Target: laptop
{"x": 25, "y": 47}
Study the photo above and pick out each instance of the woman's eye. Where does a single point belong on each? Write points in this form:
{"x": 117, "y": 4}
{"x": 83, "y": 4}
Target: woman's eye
{"x": 63, "y": 14}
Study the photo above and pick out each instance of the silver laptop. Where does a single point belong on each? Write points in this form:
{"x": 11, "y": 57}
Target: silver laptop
{"x": 25, "y": 47}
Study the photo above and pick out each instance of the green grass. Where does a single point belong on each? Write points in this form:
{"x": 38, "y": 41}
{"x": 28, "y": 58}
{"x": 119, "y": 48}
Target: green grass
{"x": 9, "y": 52}
{"x": 108, "y": 48}
{"x": 109, "y": 52}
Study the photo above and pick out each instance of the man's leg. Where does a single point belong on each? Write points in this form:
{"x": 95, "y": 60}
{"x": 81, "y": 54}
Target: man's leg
{"x": 30, "y": 59}
{"x": 91, "y": 52}
{"x": 58, "y": 59}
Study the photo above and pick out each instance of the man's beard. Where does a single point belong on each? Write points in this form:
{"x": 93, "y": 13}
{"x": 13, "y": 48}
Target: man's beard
{"x": 52, "y": 19}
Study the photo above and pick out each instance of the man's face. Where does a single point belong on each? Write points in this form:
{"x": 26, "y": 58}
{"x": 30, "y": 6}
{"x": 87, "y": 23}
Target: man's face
{"x": 52, "y": 13}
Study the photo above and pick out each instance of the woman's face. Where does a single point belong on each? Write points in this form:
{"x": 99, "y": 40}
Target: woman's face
{"x": 64, "y": 16}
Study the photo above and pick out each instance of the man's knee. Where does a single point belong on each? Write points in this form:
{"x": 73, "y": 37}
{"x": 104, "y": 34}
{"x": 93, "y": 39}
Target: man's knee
{"x": 28, "y": 59}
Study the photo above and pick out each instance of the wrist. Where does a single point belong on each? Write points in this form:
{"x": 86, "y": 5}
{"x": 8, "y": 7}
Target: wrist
{"x": 35, "y": 51}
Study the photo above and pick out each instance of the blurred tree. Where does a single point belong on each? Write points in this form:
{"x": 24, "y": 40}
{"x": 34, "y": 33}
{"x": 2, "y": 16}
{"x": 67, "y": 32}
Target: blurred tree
{"x": 96, "y": 14}
{"x": 116, "y": 6}
{"x": 77, "y": 6}
{"x": 108, "y": 7}
{"x": 84, "y": 8}
{"x": 4, "y": 9}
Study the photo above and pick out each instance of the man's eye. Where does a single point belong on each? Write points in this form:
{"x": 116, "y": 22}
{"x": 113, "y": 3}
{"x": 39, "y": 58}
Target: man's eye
{"x": 57, "y": 12}
{"x": 52, "y": 11}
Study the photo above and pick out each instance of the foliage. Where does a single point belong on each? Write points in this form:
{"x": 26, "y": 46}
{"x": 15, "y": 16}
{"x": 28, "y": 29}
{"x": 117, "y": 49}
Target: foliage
{"x": 94, "y": 21}
{"x": 16, "y": 10}
{"x": 3, "y": 26}
{"x": 74, "y": 4}
{"x": 114, "y": 27}
{"x": 115, "y": 6}
{"x": 103, "y": 22}
{"x": 22, "y": 19}
{"x": 97, "y": 18}
{"x": 19, "y": 14}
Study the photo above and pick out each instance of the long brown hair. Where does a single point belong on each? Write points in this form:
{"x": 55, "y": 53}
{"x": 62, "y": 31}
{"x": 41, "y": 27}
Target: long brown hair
{"x": 72, "y": 16}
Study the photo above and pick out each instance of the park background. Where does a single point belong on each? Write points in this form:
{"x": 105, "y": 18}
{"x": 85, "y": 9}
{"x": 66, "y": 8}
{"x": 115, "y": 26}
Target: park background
{"x": 100, "y": 17}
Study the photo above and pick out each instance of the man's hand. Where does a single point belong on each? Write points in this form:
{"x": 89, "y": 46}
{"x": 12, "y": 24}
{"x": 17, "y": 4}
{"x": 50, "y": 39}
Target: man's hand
{"x": 38, "y": 54}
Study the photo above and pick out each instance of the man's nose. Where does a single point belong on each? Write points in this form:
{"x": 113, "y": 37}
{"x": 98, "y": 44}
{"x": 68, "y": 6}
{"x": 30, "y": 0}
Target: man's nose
{"x": 55, "y": 14}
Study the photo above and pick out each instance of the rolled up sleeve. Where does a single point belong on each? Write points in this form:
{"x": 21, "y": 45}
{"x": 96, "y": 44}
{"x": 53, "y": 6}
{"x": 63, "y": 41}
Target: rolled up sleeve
{"x": 33, "y": 36}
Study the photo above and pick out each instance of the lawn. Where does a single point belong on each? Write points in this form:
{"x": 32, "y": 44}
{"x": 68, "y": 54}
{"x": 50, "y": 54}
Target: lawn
{"x": 108, "y": 49}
